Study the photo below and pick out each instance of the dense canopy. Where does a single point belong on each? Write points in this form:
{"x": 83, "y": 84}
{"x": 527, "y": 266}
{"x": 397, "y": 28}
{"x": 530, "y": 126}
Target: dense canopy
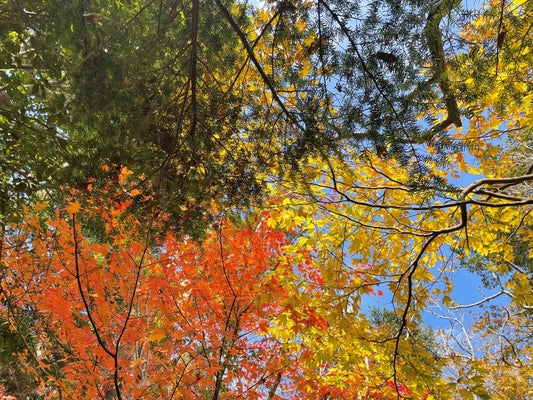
{"x": 319, "y": 199}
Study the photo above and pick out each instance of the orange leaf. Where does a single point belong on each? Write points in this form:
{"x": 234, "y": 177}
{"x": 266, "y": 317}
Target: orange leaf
{"x": 73, "y": 207}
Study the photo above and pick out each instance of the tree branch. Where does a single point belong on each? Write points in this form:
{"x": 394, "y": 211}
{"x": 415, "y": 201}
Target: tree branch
{"x": 433, "y": 36}
{"x": 255, "y": 61}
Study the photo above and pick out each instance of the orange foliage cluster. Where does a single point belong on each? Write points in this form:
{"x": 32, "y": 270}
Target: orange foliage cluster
{"x": 125, "y": 313}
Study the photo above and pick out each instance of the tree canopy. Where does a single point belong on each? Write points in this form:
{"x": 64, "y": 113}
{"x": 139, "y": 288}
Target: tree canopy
{"x": 224, "y": 199}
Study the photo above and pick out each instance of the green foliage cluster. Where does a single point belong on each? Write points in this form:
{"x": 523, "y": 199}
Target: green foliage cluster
{"x": 158, "y": 87}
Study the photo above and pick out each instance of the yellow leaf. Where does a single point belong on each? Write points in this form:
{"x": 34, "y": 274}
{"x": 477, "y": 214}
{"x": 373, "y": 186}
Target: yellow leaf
{"x": 306, "y": 69}
{"x": 301, "y": 25}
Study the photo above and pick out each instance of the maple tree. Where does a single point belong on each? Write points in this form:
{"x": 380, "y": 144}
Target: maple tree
{"x": 142, "y": 314}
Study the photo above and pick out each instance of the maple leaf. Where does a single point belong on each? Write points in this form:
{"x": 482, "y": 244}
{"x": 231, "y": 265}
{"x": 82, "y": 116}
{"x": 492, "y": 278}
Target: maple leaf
{"x": 73, "y": 207}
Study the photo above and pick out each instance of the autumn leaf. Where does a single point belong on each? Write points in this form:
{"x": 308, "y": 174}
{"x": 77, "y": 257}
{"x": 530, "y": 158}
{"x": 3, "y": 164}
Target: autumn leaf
{"x": 73, "y": 207}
